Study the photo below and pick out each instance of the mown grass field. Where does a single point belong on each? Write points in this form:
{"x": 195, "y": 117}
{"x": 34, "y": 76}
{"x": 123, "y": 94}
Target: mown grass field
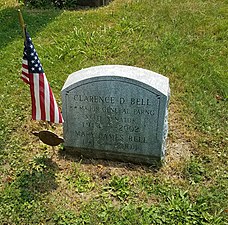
{"x": 185, "y": 40}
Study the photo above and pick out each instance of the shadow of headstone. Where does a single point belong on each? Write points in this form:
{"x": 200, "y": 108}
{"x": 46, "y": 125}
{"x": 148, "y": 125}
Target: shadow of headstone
{"x": 71, "y": 156}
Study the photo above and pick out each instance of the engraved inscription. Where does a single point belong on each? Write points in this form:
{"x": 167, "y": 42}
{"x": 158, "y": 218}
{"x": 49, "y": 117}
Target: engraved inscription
{"x": 117, "y": 121}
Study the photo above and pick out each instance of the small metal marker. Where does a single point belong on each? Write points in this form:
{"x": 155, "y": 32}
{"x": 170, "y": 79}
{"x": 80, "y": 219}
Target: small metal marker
{"x": 49, "y": 138}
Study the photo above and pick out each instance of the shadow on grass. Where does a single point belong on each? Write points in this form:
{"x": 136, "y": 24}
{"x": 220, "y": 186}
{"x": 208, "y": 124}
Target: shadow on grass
{"x": 38, "y": 179}
{"x": 69, "y": 155}
{"x": 36, "y": 20}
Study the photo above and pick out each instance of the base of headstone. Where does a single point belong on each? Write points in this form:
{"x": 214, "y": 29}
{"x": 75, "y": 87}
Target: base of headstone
{"x": 113, "y": 156}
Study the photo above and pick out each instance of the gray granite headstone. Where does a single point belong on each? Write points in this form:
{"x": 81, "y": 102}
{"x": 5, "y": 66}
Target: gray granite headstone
{"x": 116, "y": 112}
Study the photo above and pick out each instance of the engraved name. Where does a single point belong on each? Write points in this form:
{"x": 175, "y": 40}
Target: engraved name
{"x": 111, "y": 100}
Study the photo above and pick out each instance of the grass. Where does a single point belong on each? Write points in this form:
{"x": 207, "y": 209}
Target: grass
{"x": 183, "y": 40}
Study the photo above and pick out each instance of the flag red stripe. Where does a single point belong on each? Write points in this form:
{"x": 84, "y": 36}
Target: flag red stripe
{"x": 42, "y": 97}
{"x": 52, "y": 106}
{"x": 60, "y": 117}
{"x": 32, "y": 97}
{"x": 25, "y": 80}
{"x": 25, "y": 66}
{"x": 26, "y": 74}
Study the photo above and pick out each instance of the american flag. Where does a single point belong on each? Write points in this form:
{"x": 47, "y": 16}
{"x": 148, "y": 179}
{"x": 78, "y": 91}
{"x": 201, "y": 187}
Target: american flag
{"x": 44, "y": 106}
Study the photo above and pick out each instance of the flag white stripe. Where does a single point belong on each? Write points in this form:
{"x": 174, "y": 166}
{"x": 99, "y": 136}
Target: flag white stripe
{"x": 37, "y": 95}
{"x": 25, "y": 70}
{"x": 26, "y": 78}
{"x": 56, "y": 111}
{"x": 25, "y": 61}
{"x": 47, "y": 98}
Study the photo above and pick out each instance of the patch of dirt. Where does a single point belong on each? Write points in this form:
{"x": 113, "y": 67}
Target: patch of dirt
{"x": 179, "y": 144}
{"x": 179, "y": 148}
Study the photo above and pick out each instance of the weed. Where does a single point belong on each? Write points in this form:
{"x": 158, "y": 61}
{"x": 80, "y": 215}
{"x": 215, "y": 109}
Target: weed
{"x": 194, "y": 171}
{"x": 119, "y": 187}
{"x": 80, "y": 181}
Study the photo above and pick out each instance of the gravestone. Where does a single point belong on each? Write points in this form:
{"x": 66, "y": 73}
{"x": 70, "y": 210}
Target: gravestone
{"x": 116, "y": 112}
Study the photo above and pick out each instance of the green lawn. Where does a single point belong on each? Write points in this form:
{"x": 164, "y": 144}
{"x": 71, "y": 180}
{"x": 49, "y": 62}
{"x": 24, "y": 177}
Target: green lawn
{"x": 185, "y": 40}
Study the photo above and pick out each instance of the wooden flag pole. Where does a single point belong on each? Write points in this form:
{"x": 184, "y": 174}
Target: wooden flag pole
{"x": 22, "y": 23}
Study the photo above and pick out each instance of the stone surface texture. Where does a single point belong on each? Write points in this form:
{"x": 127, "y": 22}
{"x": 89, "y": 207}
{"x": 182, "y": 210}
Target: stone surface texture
{"x": 116, "y": 112}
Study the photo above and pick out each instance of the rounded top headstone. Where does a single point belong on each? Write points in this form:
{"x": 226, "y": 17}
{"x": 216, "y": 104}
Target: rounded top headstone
{"x": 116, "y": 112}
{"x": 145, "y": 76}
